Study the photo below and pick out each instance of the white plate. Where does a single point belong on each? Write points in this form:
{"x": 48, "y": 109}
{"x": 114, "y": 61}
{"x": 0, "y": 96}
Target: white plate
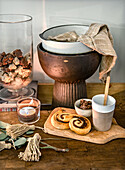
{"x": 64, "y": 47}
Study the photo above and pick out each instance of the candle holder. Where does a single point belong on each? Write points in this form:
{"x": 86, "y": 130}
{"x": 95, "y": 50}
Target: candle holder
{"x": 28, "y": 110}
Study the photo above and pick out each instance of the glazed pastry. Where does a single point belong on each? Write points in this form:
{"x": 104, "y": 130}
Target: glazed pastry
{"x": 60, "y": 119}
{"x": 80, "y": 124}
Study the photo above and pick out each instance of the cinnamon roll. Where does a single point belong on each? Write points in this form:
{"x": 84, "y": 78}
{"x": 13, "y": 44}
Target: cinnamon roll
{"x": 80, "y": 124}
{"x": 60, "y": 119}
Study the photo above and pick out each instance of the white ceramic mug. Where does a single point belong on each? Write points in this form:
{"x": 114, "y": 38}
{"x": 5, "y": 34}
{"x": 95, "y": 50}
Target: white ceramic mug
{"x": 102, "y": 115}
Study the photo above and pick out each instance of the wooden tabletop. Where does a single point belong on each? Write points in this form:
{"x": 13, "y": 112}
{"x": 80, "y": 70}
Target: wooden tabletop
{"x": 81, "y": 155}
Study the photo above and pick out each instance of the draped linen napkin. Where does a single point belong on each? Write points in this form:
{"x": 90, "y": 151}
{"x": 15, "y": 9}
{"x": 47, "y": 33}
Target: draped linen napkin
{"x": 65, "y": 37}
{"x": 99, "y": 39}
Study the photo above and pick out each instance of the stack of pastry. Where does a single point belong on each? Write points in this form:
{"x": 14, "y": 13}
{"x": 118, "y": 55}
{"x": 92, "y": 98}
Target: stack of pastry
{"x": 64, "y": 120}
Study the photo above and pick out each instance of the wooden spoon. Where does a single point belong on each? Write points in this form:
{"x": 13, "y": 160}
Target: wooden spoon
{"x": 107, "y": 88}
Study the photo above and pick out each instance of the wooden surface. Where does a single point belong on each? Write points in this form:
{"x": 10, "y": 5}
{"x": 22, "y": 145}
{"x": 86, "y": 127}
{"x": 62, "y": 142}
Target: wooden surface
{"x": 93, "y": 136}
{"x": 81, "y": 155}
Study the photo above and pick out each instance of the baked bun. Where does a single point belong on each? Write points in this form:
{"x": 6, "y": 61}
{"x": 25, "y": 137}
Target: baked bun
{"x": 60, "y": 119}
{"x": 80, "y": 124}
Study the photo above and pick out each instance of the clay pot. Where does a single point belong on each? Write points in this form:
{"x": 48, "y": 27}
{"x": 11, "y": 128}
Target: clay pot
{"x": 69, "y": 73}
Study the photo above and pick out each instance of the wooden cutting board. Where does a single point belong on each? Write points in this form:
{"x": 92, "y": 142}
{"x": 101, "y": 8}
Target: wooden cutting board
{"x": 93, "y": 136}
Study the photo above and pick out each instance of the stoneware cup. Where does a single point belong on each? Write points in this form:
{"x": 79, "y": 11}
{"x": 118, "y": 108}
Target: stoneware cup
{"x": 102, "y": 115}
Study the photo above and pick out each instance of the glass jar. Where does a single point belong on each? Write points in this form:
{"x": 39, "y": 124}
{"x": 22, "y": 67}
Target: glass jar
{"x": 28, "y": 110}
{"x": 16, "y": 53}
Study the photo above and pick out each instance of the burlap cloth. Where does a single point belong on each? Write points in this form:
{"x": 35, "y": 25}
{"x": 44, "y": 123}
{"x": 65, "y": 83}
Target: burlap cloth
{"x": 99, "y": 39}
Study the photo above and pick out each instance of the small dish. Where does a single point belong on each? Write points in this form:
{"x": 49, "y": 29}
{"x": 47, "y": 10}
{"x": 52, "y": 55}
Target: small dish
{"x": 79, "y": 111}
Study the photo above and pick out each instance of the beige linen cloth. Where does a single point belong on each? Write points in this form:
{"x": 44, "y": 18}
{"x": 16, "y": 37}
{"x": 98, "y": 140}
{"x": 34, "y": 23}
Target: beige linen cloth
{"x": 99, "y": 39}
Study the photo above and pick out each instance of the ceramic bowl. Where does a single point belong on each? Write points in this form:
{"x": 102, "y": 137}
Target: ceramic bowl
{"x": 86, "y": 113}
{"x": 64, "y": 47}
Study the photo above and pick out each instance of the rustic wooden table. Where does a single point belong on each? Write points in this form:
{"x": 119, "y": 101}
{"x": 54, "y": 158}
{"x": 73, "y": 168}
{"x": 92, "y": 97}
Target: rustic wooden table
{"x": 81, "y": 155}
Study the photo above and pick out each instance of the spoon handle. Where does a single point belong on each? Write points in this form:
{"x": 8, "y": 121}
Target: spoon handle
{"x": 107, "y": 88}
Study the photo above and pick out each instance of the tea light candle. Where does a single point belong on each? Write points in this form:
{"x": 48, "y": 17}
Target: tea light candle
{"x": 28, "y": 110}
{"x": 27, "y": 113}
